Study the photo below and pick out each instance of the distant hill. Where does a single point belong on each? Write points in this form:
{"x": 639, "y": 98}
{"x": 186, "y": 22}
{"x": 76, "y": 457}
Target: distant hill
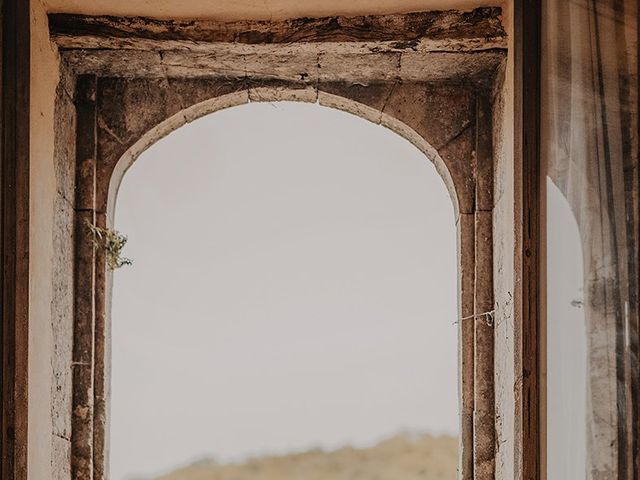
{"x": 402, "y": 457}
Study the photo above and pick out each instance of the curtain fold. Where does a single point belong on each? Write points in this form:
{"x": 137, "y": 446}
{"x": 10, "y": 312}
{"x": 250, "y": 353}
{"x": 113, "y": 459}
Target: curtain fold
{"x": 590, "y": 146}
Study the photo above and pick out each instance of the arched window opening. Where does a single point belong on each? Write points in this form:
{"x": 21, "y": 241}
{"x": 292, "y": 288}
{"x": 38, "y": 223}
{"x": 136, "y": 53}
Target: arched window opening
{"x": 567, "y": 340}
{"x": 293, "y": 290}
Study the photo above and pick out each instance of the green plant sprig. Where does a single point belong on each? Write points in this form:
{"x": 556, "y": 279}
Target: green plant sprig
{"x": 112, "y": 242}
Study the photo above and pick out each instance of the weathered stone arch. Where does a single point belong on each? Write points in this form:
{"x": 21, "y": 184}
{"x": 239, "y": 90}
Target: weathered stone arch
{"x": 149, "y": 109}
{"x": 123, "y": 89}
{"x": 275, "y": 94}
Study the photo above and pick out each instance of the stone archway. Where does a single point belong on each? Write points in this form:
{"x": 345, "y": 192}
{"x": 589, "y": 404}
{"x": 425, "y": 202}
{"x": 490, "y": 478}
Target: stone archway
{"x": 434, "y": 88}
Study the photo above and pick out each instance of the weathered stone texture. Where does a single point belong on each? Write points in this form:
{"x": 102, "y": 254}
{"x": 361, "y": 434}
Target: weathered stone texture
{"x": 101, "y": 370}
{"x": 484, "y": 154}
{"x": 63, "y": 248}
{"x": 129, "y": 110}
{"x": 83, "y": 347}
{"x": 64, "y": 149}
{"x": 446, "y": 29}
{"x": 379, "y": 67}
{"x": 460, "y": 157}
{"x": 434, "y": 97}
{"x": 62, "y": 317}
{"x": 303, "y": 66}
{"x": 484, "y": 321}
{"x": 62, "y": 302}
{"x": 61, "y": 458}
{"x": 466, "y": 328}
{"x": 440, "y": 115}
{"x": 440, "y": 46}
{"x": 366, "y": 101}
{"x": 84, "y": 281}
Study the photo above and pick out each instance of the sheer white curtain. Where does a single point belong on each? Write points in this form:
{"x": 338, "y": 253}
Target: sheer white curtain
{"x": 590, "y": 146}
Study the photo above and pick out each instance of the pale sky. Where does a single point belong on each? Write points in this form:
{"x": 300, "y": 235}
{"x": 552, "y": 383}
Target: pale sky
{"x": 566, "y": 344}
{"x": 293, "y": 286}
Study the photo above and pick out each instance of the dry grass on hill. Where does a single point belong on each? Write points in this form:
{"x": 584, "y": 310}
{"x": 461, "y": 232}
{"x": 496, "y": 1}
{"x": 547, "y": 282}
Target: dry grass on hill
{"x": 398, "y": 458}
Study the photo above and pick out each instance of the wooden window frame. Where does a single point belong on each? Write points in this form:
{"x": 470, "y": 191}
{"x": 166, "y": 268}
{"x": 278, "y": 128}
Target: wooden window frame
{"x": 14, "y": 205}
{"x": 530, "y": 401}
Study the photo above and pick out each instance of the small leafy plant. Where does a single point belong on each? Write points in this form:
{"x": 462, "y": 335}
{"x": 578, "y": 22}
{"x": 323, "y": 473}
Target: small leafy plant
{"x": 112, "y": 242}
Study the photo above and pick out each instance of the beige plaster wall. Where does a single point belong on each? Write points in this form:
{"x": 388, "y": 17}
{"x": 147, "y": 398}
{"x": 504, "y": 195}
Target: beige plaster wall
{"x": 44, "y": 79}
{"x": 256, "y": 9}
{"x": 506, "y": 234}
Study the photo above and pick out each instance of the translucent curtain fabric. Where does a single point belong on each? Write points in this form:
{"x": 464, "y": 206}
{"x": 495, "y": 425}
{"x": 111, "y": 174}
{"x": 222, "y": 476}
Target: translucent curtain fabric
{"x": 590, "y": 146}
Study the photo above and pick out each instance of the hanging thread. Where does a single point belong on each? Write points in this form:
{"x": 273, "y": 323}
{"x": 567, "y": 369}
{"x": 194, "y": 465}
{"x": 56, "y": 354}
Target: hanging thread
{"x": 489, "y": 316}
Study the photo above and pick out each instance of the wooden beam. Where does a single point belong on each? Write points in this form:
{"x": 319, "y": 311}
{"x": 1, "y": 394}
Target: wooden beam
{"x": 530, "y": 397}
{"x": 441, "y": 30}
{"x": 14, "y": 202}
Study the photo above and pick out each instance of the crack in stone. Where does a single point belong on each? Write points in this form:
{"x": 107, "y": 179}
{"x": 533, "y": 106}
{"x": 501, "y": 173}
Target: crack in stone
{"x": 246, "y": 79}
{"x": 63, "y": 197}
{"x": 63, "y": 437}
{"x": 65, "y": 71}
{"x": 484, "y": 63}
{"x": 318, "y": 68}
{"x": 66, "y": 92}
{"x": 102, "y": 124}
{"x": 163, "y": 66}
{"x": 465, "y": 126}
{"x": 386, "y": 100}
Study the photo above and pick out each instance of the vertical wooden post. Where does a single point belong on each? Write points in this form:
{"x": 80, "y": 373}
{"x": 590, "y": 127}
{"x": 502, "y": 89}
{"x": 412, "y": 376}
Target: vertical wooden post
{"x": 528, "y": 358}
{"x": 14, "y": 178}
{"x": 635, "y": 322}
{"x": 84, "y": 282}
